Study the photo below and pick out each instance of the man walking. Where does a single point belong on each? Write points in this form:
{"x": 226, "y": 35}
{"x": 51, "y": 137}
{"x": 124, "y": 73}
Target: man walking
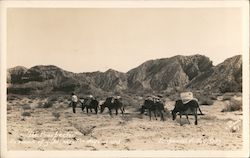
{"x": 74, "y": 100}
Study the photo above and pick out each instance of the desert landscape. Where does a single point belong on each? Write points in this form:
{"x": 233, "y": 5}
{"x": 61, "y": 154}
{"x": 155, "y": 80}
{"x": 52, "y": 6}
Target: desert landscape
{"x": 39, "y": 115}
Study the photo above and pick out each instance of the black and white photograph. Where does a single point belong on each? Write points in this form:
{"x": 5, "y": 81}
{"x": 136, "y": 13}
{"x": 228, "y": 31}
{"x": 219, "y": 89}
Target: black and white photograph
{"x": 125, "y": 79}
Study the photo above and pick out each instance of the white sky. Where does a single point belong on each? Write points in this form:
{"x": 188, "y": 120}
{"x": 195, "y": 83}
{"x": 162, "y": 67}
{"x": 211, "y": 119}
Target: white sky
{"x": 84, "y": 40}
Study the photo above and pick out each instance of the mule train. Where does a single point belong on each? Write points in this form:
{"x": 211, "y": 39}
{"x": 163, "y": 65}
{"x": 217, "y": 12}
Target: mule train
{"x": 111, "y": 103}
{"x": 151, "y": 104}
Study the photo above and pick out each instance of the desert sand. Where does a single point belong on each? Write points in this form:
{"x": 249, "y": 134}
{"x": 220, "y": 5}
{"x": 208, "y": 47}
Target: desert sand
{"x": 41, "y": 130}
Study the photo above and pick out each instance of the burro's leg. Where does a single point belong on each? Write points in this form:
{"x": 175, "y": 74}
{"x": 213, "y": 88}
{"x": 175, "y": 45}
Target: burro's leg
{"x": 149, "y": 113}
{"x": 195, "y": 115}
{"x": 110, "y": 112}
{"x": 74, "y": 107}
{"x": 116, "y": 111}
{"x": 162, "y": 116}
{"x": 187, "y": 118}
{"x": 180, "y": 118}
{"x": 155, "y": 114}
{"x": 96, "y": 110}
{"x": 122, "y": 110}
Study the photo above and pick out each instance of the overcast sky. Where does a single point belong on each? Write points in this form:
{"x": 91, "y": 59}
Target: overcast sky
{"x": 84, "y": 40}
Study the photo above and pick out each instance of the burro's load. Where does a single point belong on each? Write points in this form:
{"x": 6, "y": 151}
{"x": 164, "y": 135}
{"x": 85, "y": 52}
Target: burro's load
{"x": 186, "y": 97}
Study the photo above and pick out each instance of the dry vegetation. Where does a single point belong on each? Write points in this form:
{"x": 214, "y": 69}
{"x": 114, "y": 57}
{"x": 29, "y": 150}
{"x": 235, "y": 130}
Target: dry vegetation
{"x": 233, "y": 105}
{"x": 26, "y": 113}
{"x": 33, "y": 121}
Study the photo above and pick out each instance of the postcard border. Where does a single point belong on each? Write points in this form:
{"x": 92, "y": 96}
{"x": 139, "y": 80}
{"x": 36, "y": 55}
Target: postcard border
{"x": 244, "y": 5}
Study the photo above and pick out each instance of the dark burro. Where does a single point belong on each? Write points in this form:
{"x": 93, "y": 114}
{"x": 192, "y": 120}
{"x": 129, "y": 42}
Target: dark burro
{"x": 90, "y": 104}
{"x": 112, "y": 103}
{"x": 181, "y": 108}
{"x": 155, "y": 107}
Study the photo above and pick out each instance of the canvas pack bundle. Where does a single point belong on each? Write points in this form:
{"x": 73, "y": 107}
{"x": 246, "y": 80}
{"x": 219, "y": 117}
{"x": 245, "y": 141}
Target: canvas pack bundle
{"x": 186, "y": 96}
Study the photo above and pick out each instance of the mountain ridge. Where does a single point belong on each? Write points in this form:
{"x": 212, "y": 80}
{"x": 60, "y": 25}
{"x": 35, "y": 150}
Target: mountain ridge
{"x": 194, "y": 72}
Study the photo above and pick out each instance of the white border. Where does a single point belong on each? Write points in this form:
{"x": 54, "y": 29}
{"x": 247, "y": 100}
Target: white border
{"x": 244, "y": 5}
{"x": 125, "y": 4}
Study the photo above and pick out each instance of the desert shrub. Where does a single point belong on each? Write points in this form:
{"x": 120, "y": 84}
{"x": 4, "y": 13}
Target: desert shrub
{"x": 53, "y": 98}
{"x": 48, "y": 104}
{"x": 11, "y": 97}
{"x": 213, "y": 97}
{"x": 9, "y": 108}
{"x": 239, "y": 94}
{"x": 230, "y": 93}
{"x": 14, "y": 97}
{"x": 26, "y": 113}
{"x": 232, "y": 105}
{"x": 130, "y": 101}
{"x": 17, "y": 90}
{"x": 56, "y": 115}
{"x": 39, "y": 123}
{"x": 167, "y": 113}
{"x": 26, "y": 107}
{"x": 32, "y": 97}
{"x": 205, "y": 100}
{"x": 60, "y": 100}
{"x": 40, "y": 105}
{"x": 227, "y": 97}
{"x": 67, "y": 103}
{"x": 230, "y": 86}
{"x": 67, "y": 114}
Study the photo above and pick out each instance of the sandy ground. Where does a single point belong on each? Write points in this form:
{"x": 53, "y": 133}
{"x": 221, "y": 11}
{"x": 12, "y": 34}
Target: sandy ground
{"x": 81, "y": 131}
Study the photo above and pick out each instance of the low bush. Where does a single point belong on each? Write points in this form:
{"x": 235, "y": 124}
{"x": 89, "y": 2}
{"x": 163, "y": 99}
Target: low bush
{"x": 11, "y": 97}
{"x": 40, "y": 105}
{"x": 56, "y": 115}
{"x": 9, "y": 108}
{"x": 26, "y": 107}
{"x": 239, "y": 94}
{"x": 230, "y": 86}
{"x": 61, "y": 100}
{"x": 227, "y": 97}
{"x": 213, "y": 97}
{"x": 32, "y": 97}
{"x": 48, "y": 104}
{"x": 53, "y": 98}
{"x": 130, "y": 101}
{"x": 232, "y": 105}
{"x": 205, "y": 101}
{"x": 26, "y": 113}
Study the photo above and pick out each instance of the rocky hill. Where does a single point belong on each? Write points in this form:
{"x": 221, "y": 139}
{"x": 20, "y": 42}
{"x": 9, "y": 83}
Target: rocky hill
{"x": 14, "y": 75}
{"x": 225, "y": 77}
{"x": 196, "y": 72}
{"x": 166, "y": 73}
